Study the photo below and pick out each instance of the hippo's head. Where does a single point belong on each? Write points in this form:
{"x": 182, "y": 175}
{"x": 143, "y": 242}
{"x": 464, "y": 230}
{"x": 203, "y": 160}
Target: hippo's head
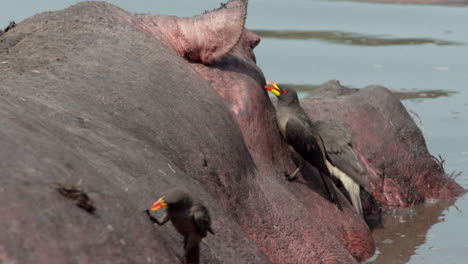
{"x": 220, "y": 49}
{"x": 218, "y": 46}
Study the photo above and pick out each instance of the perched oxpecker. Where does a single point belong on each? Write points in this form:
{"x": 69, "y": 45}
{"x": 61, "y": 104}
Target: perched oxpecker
{"x": 189, "y": 217}
{"x": 326, "y": 146}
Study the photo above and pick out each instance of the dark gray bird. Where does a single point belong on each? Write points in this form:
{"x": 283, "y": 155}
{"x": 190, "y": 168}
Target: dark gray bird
{"x": 326, "y": 146}
{"x": 189, "y": 217}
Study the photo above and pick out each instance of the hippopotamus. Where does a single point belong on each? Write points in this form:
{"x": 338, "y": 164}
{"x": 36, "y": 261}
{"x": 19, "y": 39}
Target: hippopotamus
{"x": 104, "y": 110}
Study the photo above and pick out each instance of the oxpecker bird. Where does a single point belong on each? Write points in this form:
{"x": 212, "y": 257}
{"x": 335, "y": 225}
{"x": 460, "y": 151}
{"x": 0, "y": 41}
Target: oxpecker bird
{"x": 189, "y": 217}
{"x": 326, "y": 146}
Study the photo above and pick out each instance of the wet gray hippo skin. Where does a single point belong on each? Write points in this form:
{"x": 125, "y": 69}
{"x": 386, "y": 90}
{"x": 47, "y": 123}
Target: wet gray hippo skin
{"x": 128, "y": 106}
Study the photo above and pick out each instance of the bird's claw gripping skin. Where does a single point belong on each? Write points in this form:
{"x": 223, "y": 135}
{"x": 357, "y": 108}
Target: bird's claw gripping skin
{"x": 152, "y": 218}
{"x": 289, "y": 176}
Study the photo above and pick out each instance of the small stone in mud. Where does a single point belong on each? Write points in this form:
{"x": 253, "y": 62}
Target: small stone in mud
{"x": 387, "y": 241}
{"x": 75, "y": 193}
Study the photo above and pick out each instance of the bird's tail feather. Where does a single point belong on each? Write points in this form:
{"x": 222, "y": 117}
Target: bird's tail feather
{"x": 332, "y": 191}
{"x": 354, "y": 193}
{"x": 350, "y": 185}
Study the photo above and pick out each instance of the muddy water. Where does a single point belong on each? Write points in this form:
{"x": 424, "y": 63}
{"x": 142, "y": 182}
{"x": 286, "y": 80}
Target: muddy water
{"x": 419, "y": 51}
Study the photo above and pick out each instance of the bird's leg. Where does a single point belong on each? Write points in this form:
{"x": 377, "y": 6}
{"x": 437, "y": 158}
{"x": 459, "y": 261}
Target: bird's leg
{"x": 183, "y": 258}
{"x": 192, "y": 248}
{"x": 185, "y": 241}
{"x": 292, "y": 176}
{"x": 164, "y": 219}
{"x": 188, "y": 244}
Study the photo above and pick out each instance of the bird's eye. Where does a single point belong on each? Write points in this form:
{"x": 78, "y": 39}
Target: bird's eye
{"x": 285, "y": 92}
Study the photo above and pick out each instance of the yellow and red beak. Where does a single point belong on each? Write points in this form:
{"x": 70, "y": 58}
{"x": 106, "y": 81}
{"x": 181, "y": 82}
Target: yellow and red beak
{"x": 273, "y": 88}
{"x": 159, "y": 204}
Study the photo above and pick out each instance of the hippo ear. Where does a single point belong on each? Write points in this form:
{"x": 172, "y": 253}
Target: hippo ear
{"x": 212, "y": 35}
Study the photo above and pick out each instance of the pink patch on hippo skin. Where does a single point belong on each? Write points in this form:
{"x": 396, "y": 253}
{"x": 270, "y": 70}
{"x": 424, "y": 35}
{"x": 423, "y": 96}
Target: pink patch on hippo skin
{"x": 393, "y": 194}
{"x": 373, "y": 175}
{"x": 4, "y": 257}
{"x": 237, "y": 78}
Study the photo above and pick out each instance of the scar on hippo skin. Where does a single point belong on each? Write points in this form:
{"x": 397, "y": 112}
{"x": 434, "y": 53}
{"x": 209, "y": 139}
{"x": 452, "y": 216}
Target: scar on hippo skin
{"x": 80, "y": 197}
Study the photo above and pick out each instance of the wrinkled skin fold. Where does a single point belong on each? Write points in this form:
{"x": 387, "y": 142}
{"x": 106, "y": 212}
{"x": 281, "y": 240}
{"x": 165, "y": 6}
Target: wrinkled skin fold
{"x": 127, "y": 106}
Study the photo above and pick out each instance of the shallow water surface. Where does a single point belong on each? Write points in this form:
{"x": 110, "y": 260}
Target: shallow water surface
{"x": 418, "y": 51}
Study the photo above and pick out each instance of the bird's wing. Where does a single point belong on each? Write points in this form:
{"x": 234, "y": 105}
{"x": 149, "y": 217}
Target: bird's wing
{"x": 340, "y": 151}
{"x": 201, "y": 218}
{"x": 305, "y": 142}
